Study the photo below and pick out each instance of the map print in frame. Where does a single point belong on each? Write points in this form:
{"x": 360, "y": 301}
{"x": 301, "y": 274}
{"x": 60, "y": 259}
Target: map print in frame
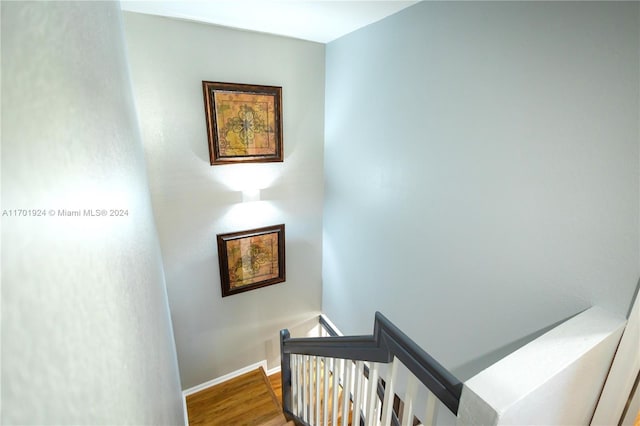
{"x": 251, "y": 259}
{"x": 244, "y": 122}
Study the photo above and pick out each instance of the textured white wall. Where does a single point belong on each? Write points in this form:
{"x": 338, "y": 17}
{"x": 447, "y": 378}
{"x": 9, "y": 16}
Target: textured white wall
{"x": 86, "y": 335}
{"x": 194, "y": 201}
{"x": 481, "y": 172}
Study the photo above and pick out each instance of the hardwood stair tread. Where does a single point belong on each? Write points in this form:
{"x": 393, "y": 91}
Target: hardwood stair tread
{"x": 252, "y": 399}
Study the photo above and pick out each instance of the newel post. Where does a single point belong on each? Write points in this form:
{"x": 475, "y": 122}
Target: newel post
{"x": 285, "y": 370}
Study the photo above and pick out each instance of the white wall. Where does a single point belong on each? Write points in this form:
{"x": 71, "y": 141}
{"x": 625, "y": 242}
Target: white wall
{"x": 194, "y": 201}
{"x": 481, "y": 172}
{"x": 86, "y": 335}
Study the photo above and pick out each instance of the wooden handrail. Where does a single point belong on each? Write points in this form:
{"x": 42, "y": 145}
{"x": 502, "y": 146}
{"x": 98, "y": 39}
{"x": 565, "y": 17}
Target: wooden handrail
{"x": 386, "y": 342}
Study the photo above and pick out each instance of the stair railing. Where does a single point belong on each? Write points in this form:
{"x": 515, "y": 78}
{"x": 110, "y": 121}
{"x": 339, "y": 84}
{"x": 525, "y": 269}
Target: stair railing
{"x": 356, "y": 380}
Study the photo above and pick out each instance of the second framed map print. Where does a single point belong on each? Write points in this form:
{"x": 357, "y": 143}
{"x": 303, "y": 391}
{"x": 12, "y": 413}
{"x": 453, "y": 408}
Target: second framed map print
{"x": 251, "y": 259}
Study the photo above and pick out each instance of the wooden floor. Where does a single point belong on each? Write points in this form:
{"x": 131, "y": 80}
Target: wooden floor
{"x": 247, "y": 400}
{"x": 252, "y": 399}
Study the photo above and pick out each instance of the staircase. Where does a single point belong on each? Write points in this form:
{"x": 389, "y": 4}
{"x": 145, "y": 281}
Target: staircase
{"x": 250, "y": 399}
{"x": 334, "y": 381}
{"x": 383, "y": 379}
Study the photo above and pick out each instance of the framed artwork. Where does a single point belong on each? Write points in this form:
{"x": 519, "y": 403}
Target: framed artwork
{"x": 251, "y": 259}
{"x": 244, "y": 122}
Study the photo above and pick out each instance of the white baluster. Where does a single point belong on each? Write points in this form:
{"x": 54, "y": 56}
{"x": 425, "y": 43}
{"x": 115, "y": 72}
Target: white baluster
{"x": 305, "y": 388}
{"x": 311, "y": 388}
{"x": 358, "y": 383}
{"x": 409, "y": 397}
{"x": 294, "y": 383}
{"x": 301, "y": 386}
{"x": 319, "y": 362}
{"x": 372, "y": 395}
{"x": 365, "y": 391}
{"x": 325, "y": 392}
{"x": 387, "y": 404}
{"x": 346, "y": 391}
{"x": 431, "y": 411}
{"x": 337, "y": 371}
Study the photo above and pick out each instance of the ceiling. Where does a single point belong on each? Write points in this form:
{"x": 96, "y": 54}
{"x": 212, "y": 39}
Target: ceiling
{"x": 321, "y": 20}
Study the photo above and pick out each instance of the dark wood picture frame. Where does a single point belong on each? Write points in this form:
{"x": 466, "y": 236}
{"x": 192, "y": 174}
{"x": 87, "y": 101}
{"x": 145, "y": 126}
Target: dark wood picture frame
{"x": 251, "y": 259}
{"x": 244, "y": 122}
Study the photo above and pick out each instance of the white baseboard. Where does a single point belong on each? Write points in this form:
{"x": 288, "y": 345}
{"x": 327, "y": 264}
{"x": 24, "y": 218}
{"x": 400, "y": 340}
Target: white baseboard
{"x": 184, "y": 409}
{"x": 224, "y": 378}
{"x": 274, "y": 370}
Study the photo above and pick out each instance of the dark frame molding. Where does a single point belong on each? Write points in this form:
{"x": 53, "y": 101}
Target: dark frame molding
{"x": 223, "y": 258}
{"x": 216, "y": 158}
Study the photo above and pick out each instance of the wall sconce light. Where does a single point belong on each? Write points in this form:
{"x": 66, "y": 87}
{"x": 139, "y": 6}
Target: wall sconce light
{"x": 249, "y": 195}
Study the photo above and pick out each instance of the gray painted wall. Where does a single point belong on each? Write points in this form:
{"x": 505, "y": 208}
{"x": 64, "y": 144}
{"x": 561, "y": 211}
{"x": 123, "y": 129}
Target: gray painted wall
{"x": 481, "y": 172}
{"x": 194, "y": 201}
{"x": 86, "y": 334}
